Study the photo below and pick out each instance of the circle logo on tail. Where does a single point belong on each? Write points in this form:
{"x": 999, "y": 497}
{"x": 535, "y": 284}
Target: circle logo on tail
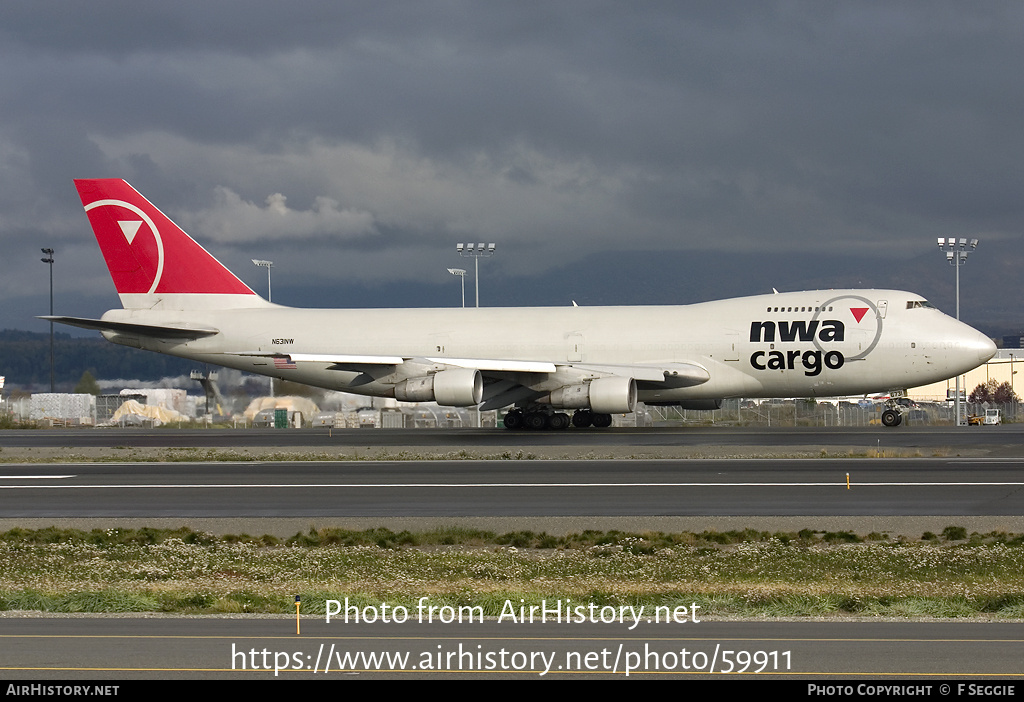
{"x": 864, "y": 312}
{"x": 130, "y": 229}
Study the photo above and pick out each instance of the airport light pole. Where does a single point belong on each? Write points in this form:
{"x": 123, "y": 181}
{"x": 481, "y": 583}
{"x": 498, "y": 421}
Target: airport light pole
{"x": 957, "y": 251}
{"x": 48, "y": 259}
{"x": 461, "y": 273}
{"x": 477, "y": 251}
{"x": 268, "y": 265}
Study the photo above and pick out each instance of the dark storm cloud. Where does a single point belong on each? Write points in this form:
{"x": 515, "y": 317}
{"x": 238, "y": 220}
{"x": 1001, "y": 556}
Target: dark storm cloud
{"x": 379, "y": 134}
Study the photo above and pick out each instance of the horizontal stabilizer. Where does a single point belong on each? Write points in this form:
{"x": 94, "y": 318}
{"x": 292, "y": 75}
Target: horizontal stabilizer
{"x": 151, "y": 330}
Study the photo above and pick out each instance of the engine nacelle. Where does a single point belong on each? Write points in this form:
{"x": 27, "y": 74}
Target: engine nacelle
{"x": 460, "y": 387}
{"x": 604, "y": 395}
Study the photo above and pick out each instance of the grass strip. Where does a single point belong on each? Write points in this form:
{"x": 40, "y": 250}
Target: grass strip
{"x": 744, "y": 573}
{"x": 122, "y": 454}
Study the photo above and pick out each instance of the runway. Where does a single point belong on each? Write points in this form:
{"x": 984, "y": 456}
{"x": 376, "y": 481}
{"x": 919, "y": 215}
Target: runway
{"x": 602, "y": 488}
{"x": 971, "y": 477}
{"x": 1006, "y": 440}
{"x": 638, "y": 479}
{"x": 202, "y": 648}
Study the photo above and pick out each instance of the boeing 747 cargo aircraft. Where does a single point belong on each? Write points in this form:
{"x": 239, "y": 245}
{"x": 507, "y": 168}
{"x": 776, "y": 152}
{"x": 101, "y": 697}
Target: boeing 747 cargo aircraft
{"x": 542, "y": 361}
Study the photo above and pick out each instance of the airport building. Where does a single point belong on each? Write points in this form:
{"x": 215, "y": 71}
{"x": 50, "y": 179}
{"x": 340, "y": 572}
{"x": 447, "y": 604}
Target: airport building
{"x": 1002, "y": 368}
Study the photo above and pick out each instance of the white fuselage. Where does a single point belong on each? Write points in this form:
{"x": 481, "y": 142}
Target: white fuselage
{"x": 801, "y": 344}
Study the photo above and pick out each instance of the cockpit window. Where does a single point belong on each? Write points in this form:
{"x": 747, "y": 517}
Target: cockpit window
{"x": 914, "y": 304}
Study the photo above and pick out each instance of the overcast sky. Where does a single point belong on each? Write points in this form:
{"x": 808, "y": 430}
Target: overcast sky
{"x": 355, "y": 143}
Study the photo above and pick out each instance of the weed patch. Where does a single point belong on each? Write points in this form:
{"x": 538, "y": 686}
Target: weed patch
{"x": 736, "y": 573}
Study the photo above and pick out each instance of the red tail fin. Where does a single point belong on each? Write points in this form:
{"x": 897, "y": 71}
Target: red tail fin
{"x": 149, "y": 255}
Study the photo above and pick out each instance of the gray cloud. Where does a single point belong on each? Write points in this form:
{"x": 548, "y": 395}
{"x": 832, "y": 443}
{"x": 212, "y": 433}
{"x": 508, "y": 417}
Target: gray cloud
{"x": 567, "y": 130}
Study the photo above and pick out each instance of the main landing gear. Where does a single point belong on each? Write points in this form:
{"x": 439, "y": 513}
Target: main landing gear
{"x": 539, "y": 419}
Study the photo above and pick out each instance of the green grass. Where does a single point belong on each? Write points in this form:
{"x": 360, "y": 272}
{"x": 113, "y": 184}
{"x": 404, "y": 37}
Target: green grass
{"x": 738, "y": 573}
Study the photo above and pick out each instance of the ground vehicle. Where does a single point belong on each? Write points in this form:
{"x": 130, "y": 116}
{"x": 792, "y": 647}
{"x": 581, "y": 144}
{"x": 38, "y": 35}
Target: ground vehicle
{"x": 991, "y": 416}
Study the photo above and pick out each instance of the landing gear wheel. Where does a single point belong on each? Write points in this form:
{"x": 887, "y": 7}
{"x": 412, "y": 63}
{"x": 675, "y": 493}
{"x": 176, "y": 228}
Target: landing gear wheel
{"x": 536, "y": 420}
{"x": 582, "y": 418}
{"x": 601, "y": 420}
{"x": 514, "y": 420}
{"x": 892, "y": 418}
{"x": 558, "y": 421}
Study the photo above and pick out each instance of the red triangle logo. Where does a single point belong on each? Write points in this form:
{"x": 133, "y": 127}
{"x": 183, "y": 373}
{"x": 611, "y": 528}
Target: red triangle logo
{"x": 859, "y": 312}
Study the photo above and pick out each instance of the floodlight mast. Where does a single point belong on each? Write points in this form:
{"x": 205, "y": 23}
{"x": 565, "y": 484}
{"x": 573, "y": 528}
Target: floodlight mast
{"x": 268, "y": 265}
{"x": 477, "y": 251}
{"x": 461, "y": 273}
{"x": 48, "y": 259}
{"x": 957, "y": 252}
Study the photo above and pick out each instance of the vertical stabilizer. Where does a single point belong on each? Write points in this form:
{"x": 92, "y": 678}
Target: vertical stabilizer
{"x": 153, "y": 262}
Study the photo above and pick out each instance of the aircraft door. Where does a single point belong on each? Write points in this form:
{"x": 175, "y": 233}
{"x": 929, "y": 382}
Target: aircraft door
{"x": 574, "y": 349}
{"x": 732, "y": 340}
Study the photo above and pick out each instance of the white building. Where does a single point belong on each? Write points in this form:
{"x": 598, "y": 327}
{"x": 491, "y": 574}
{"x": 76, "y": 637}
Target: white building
{"x": 1001, "y": 368}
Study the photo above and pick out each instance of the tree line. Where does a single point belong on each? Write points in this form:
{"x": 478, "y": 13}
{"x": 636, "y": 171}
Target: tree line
{"x": 25, "y": 360}
{"x": 994, "y": 391}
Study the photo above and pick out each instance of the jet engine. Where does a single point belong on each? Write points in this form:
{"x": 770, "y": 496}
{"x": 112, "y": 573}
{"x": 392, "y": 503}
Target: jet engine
{"x": 613, "y": 395}
{"x": 460, "y": 387}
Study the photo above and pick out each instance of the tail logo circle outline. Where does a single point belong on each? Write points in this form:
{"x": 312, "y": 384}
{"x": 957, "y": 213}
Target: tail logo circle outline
{"x": 152, "y": 227}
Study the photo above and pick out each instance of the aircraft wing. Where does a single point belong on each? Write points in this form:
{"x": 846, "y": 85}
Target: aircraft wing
{"x": 500, "y": 389}
{"x": 150, "y": 330}
{"x": 338, "y": 360}
{"x": 344, "y": 361}
{"x": 678, "y": 374}
{"x": 503, "y": 365}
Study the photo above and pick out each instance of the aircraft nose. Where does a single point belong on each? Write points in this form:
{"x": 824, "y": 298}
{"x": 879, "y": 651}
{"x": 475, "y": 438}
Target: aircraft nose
{"x": 973, "y": 347}
{"x": 977, "y": 347}
{"x": 985, "y": 347}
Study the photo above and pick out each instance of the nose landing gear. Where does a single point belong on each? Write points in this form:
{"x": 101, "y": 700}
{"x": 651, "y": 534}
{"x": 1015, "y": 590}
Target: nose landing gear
{"x": 892, "y": 415}
{"x": 892, "y": 418}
